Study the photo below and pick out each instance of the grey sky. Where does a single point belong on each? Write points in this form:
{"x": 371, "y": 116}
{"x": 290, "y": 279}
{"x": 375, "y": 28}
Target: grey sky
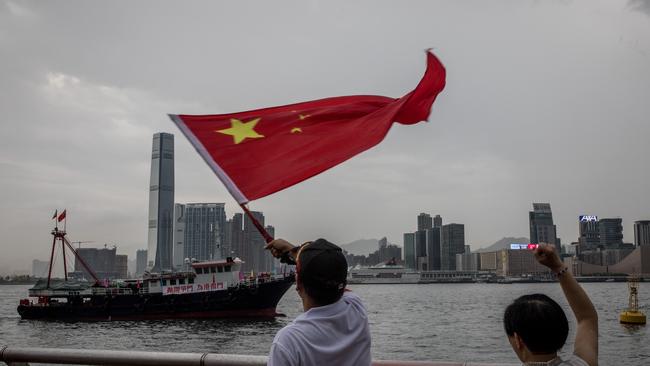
{"x": 545, "y": 101}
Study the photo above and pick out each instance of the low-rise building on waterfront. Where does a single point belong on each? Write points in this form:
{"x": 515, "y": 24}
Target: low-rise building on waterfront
{"x": 519, "y": 262}
{"x": 468, "y": 262}
{"x": 489, "y": 261}
{"x": 637, "y": 262}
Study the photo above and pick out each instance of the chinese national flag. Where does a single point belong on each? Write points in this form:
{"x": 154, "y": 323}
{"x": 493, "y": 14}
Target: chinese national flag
{"x": 259, "y": 152}
{"x": 61, "y": 216}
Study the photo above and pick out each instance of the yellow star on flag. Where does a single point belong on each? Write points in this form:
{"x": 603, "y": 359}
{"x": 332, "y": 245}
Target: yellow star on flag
{"x": 241, "y": 130}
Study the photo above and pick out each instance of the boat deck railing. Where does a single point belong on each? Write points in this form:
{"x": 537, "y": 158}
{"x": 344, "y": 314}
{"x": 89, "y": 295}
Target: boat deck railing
{"x": 22, "y": 356}
{"x": 112, "y": 291}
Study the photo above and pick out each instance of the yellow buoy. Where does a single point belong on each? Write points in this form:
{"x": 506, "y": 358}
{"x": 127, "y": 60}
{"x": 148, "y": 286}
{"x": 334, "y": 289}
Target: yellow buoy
{"x": 632, "y": 315}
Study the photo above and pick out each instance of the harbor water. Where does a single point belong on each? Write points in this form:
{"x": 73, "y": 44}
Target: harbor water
{"x": 443, "y": 322}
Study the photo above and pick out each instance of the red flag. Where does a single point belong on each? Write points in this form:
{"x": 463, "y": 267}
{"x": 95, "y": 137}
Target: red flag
{"x": 61, "y": 216}
{"x": 259, "y": 152}
{"x": 56, "y": 212}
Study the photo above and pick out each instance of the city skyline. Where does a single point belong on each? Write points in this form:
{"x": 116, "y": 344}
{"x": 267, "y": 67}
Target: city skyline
{"x": 426, "y": 243}
{"x": 81, "y": 103}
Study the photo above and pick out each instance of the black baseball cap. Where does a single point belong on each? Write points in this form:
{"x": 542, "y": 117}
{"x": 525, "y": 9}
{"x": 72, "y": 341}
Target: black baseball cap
{"x": 322, "y": 264}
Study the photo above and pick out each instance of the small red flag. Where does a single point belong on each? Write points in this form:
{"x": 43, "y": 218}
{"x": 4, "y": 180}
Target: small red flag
{"x": 61, "y": 216}
{"x": 56, "y": 212}
{"x": 259, "y": 152}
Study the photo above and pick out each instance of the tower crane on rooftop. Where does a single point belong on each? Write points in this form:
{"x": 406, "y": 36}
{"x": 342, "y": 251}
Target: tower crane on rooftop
{"x": 82, "y": 242}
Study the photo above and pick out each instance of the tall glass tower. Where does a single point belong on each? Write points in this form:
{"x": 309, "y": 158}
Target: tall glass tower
{"x": 542, "y": 229}
{"x": 204, "y": 231}
{"x": 161, "y": 204}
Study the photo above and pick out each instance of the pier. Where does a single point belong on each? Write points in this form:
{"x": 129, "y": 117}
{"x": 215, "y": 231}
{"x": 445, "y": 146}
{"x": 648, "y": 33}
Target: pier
{"x": 22, "y": 356}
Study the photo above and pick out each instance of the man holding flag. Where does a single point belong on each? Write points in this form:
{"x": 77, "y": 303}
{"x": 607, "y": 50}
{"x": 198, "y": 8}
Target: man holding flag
{"x": 334, "y": 329}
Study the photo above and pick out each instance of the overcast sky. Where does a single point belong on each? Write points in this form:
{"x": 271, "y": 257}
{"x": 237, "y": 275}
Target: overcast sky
{"x": 546, "y": 101}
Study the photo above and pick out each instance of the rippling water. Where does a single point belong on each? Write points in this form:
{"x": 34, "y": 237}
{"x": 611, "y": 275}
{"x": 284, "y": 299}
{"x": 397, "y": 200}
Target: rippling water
{"x": 452, "y": 322}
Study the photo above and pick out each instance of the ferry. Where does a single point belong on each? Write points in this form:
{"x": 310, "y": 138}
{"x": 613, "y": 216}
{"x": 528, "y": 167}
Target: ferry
{"x": 212, "y": 289}
{"x": 391, "y": 273}
{"x": 383, "y": 274}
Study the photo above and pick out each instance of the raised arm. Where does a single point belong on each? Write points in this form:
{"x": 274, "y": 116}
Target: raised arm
{"x": 586, "y": 342}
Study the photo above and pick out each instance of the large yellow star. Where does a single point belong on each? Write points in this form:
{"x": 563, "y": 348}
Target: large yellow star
{"x": 241, "y": 130}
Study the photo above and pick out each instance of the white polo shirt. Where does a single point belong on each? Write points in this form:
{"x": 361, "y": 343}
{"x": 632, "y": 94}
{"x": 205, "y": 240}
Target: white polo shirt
{"x": 335, "y": 334}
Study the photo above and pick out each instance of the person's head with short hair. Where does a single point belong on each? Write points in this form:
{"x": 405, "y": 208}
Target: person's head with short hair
{"x": 321, "y": 273}
{"x": 535, "y": 324}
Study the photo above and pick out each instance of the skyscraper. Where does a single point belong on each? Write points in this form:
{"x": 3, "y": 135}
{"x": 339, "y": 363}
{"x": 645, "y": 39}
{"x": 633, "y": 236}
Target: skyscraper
{"x": 204, "y": 231}
{"x": 453, "y": 242}
{"x": 611, "y": 233}
{"x": 271, "y": 262}
{"x": 121, "y": 265}
{"x": 40, "y": 268}
{"x": 642, "y": 232}
{"x": 161, "y": 204}
{"x": 409, "y": 250}
{"x": 99, "y": 260}
{"x": 424, "y": 221}
{"x": 421, "y": 243}
{"x": 140, "y": 262}
{"x": 437, "y": 221}
{"x": 433, "y": 248}
{"x": 589, "y": 238}
{"x": 257, "y": 258}
{"x": 383, "y": 243}
{"x": 179, "y": 236}
{"x": 237, "y": 247}
{"x": 542, "y": 229}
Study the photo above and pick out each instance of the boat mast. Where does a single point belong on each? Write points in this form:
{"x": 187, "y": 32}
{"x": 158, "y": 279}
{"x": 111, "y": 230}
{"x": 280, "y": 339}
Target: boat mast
{"x": 60, "y": 235}
{"x": 49, "y": 273}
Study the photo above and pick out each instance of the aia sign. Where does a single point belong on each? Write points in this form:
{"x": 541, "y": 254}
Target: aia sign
{"x": 588, "y": 218}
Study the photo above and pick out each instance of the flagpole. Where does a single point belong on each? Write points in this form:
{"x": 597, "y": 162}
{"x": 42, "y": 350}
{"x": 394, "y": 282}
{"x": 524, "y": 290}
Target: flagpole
{"x": 267, "y": 237}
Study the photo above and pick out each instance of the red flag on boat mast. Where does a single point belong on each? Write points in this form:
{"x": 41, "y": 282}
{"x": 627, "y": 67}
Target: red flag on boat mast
{"x": 61, "y": 216}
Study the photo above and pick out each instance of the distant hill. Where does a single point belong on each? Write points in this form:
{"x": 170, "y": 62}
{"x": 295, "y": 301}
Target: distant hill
{"x": 361, "y": 246}
{"x": 503, "y": 243}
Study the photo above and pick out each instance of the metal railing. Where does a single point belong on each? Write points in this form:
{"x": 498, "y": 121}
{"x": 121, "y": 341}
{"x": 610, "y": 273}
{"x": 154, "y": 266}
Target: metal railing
{"x": 15, "y": 356}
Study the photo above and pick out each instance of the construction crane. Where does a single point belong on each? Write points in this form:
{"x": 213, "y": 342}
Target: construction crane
{"x": 81, "y": 242}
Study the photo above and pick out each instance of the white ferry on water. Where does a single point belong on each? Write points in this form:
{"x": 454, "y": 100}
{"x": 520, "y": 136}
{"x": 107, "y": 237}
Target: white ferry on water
{"x": 397, "y": 274}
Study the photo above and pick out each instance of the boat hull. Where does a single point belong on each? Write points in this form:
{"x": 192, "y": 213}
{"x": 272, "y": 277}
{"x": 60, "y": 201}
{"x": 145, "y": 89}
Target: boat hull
{"x": 257, "y": 301}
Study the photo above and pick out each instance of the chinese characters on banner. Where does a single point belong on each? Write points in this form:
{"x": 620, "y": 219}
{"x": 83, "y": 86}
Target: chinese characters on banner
{"x": 187, "y": 289}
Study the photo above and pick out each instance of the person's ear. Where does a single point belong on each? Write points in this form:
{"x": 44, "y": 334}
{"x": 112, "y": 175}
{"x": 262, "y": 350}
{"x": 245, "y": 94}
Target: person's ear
{"x": 298, "y": 282}
{"x": 519, "y": 343}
